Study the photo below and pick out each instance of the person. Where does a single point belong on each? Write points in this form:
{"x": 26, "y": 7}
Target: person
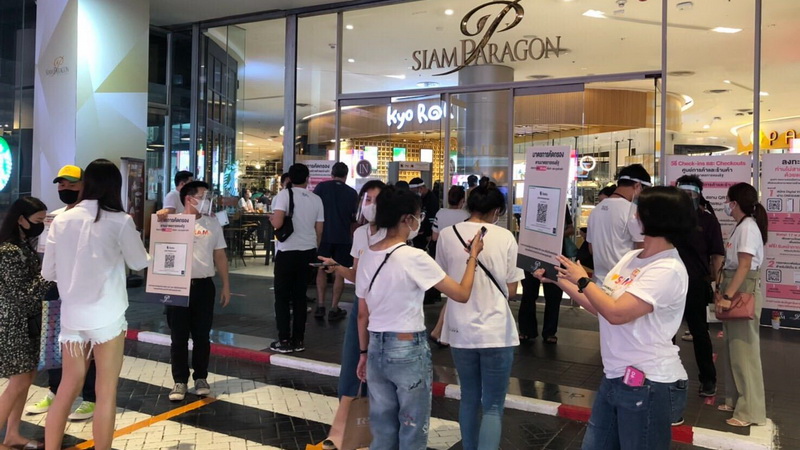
{"x": 172, "y": 201}
{"x": 430, "y": 207}
{"x": 245, "y": 204}
{"x": 744, "y": 254}
{"x": 639, "y": 306}
{"x": 86, "y": 253}
{"x": 481, "y": 333}
{"x": 606, "y": 192}
{"x": 394, "y": 354}
{"x": 528, "y": 323}
{"x": 69, "y": 181}
{"x": 285, "y": 181}
{"x": 340, "y": 202}
{"x": 703, "y": 253}
{"x": 21, "y": 292}
{"x": 612, "y": 229}
{"x": 265, "y": 200}
{"x": 401, "y": 185}
{"x": 293, "y": 256}
{"x": 453, "y": 214}
{"x": 208, "y": 254}
{"x": 363, "y": 237}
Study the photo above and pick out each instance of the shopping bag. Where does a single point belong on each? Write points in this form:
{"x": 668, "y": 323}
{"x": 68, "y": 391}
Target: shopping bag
{"x": 49, "y": 348}
{"x": 350, "y": 429}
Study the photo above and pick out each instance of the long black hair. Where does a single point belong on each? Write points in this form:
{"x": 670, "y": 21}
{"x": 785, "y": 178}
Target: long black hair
{"x": 746, "y": 197}
{"x": 103, "y": 182}
{"x": 25, "y": 207}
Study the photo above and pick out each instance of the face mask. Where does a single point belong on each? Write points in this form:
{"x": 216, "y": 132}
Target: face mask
{"x": 728, "y": 209}
{"x": 34, "y": 229}
{"x": 68, "y": 197}
{"x": 369, "y": 212}
{"x": 496, "y": 218}
{"x": 414, "y": 232}
{"x": 205, "y": 204}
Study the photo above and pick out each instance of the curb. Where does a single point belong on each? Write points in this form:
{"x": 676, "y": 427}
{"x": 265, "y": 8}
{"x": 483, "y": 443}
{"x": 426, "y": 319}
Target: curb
{"x": 760, "y": 438}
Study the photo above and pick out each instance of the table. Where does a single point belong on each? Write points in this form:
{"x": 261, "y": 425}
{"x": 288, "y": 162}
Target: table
{"x": 265, "y": 232}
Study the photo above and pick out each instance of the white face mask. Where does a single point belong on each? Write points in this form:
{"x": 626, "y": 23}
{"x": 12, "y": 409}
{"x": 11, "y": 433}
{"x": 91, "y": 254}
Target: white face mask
{"x": 496, "y": 217}
{"x": 368, "y": 212}
{"x": 414, "y": 232}
{"x": 728, "y": 209}
{"x": 205, "y": 204}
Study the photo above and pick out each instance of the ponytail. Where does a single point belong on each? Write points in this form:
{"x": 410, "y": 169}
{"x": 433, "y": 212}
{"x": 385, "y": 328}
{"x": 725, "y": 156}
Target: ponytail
{"x": 760, "y": 216}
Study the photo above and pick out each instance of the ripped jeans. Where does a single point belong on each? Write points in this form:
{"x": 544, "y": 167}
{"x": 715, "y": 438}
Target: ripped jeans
{"x": 400, "y": 375}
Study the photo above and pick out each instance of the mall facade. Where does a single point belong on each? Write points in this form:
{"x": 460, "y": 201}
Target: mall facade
{"x": 460, "y": 86}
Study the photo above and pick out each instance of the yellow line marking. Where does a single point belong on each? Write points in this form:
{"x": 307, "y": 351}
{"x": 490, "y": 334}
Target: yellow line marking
{"x": 152, "y": 420}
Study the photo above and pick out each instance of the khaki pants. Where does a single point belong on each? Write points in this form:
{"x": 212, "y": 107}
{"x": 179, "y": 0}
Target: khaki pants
{"x": 744, "y": 379}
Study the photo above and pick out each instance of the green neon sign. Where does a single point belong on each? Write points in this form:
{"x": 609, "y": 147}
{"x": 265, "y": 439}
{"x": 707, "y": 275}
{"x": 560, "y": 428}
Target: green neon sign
{"x": 6, "y": 163}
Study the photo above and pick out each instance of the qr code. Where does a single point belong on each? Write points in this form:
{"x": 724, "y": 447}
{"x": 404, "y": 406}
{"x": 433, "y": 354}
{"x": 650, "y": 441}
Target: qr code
{"x": 169, "y": 261}
{"x": 774, "y": 205}
{"x": 773, "y": 276}
{"x": 541, "y": 213}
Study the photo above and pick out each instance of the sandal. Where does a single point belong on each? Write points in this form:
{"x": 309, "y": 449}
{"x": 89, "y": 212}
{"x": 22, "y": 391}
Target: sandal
{"x": 738, "y": 423}
{"x": 724, "y": 407}
{"x": 551, "y": 340}
{"x": 524, "y": 338}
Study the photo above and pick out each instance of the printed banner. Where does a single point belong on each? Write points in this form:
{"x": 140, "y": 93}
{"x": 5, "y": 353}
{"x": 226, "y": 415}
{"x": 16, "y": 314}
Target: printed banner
{"x": 48, "y": 220}
{"x": 780, "y": 273}
{"x": 132, "y": 170}
{"x": 319, "y": 171}
{"x": 718, "y": 173}
{"x": 541, "y": 234}
{"x": 171, "y": 245}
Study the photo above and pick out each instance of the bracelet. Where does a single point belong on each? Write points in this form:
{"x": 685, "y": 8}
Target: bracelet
{"x": 472, "y": 257}
{"x": 363, "y": 352}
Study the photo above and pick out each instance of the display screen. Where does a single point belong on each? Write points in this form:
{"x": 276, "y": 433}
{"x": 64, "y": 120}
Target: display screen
{"x": 399, "y": 154}
{"x": 6, "y": 163}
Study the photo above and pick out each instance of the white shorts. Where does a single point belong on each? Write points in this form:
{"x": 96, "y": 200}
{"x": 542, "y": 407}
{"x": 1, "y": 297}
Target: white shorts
{"x": 76, "y": 340}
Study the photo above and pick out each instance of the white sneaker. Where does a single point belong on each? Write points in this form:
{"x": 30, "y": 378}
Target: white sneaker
{"x": 42, "y": 405}
{"x": 201, "y": 387}
{"x": 178, "y": 393}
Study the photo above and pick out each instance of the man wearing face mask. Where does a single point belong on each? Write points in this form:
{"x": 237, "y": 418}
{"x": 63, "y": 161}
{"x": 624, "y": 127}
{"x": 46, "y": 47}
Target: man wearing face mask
{"x": 703, "y": 254}
{"x": 613, "y": 229}
{"x": 69, "y": 180}
{"x": 208, "y": 254}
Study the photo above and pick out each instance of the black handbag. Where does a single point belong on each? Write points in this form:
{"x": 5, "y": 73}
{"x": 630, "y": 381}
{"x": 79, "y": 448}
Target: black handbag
{"x": 286, "y": 230}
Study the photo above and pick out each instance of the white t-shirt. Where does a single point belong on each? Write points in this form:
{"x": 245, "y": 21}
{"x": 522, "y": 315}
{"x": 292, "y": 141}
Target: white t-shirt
{"x": 746, "y": 238}
{"x": 362, "y": 239}
{"x": 207, "y": 238}
{"x": 646, "y": 343}
{"x": 449, "y": 217}
{"x": 395, "y": 301}
{"x": 308, "y": 211}
{"x": 173, "y": 200}
{"x": 612, "y": 230}
{"x": 246, "y": 204}
{"x": 486, "y": 320}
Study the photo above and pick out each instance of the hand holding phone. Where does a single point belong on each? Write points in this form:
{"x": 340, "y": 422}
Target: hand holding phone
{"x": 322, "y": 264}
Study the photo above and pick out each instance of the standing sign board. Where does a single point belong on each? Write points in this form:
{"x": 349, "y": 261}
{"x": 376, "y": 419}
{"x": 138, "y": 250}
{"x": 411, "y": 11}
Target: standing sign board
{"x": 780, "y": 273}
{"x": 541, "y": 235}
{"x": 170, "y": 272}
{"x": 319, "y": 171}
{"x": 718, "y": 173}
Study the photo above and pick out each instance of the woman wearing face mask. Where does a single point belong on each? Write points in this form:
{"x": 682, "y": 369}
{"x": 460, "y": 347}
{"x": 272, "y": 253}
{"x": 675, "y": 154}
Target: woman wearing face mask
{"x": 87, "y": 250}
{"x": 391, "y": 281}
{"x": 482, "y": 333}
{"x": 744, "y": 254}
{"x": 363, "y": 237}
{"x": 21, "y": 292}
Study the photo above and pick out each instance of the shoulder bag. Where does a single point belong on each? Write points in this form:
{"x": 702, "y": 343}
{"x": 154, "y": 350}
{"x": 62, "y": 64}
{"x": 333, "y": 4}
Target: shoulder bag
{"x": 742, "y": 304}
{"x": 382, "y": 264}
{"x": 286, "y": 230}
{"x": 480, "y": 264}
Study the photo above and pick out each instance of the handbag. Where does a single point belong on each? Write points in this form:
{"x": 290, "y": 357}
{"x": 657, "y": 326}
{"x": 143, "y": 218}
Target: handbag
{"x": 743, "y": 304}
{"x": 286, "y": 230}
{"x": 350, "y": 429}
{"x": 49, "y": 347}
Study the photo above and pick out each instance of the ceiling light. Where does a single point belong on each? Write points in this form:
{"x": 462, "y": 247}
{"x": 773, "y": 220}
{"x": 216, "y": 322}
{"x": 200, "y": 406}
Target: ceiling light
{"x": 705, "y": 127}
{"x": 351, "y": 60}
{"x": 763, "y": 94}
{"x": 185, "y": 139}
{"x": 680, "y": 73}
{"x": 726, "y": 30}
{"x": 250, "y": 144}
{"x": 726, "y": 81}
{"x": 349, "y": 27}
{"x": 427, "y": 84}
{"x": 594, "y": 13}
{"x": 241, "y": 132}
{"x": 448, "y": 12}
{"x": 717, "y": 91}
{"x": 539, "y": 77}
{"x": 398, "y": 77}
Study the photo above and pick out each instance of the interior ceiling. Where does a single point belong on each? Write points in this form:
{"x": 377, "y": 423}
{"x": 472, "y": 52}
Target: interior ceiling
{"x": 173, "y": 12}
{"x": 382, "y": 40}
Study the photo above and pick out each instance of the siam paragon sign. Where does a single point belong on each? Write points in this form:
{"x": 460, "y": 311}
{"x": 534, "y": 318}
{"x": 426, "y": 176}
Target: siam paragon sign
{"x": 477, "y": 52}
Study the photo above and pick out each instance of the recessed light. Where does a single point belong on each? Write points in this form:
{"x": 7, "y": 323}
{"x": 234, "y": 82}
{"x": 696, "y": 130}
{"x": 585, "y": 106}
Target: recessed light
{"x": 705, "y": 127}
{"x": 726, "y": 30}
{"x": 250, "y": 144}
{"x": 448, "y": 12}
{"x": 349, "y": 27}
{"x": 539, "y": 77}
{"x": 763, "y": 94}
{"x": 681, "y": 73}
{"x": 717, "y": 91}
{"x": 594, "y": 13}
{"x": 241, "y": 132}
{"x": 351, "y": 60}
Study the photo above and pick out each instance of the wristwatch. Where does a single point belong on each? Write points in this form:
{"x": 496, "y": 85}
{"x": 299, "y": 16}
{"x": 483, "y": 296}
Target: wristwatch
{"x": 725, "y": 297}
{"x": 582, "y": 283}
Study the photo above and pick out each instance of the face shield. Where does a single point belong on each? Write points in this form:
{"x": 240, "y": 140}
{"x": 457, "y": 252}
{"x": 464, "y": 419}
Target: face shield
{"x": 205, "y": 203}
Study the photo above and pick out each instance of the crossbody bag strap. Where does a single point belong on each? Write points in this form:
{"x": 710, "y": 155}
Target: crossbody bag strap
{"x": 480, "y": 264}
{"x": 291, "y": 202}
{"x": 382, "y": 264}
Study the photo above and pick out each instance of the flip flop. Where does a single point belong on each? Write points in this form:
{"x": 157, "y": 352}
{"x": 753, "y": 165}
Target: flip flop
{"x": 738, "y": 423}
{"x": 725, "y": 408}
{"x": 551, "y": 340}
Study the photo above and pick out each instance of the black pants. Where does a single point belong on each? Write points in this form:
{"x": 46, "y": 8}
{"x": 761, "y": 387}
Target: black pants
{"x": 291, "y": 282}
{"x": 528, "y": 324}
{"x": 194, "y": 321}
{"x": 698, "y": 297}
{"x": 88, "y": 394}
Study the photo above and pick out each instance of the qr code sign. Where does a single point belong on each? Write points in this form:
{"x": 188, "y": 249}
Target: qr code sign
{"x": 541, "y": 213}
{"x": 169, "y": 261}
{"x": 773, "y": 276}
{"x": 774, "y": 205}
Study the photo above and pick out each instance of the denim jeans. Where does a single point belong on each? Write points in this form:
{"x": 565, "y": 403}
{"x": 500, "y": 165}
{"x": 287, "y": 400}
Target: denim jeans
{"x": 625, "y": 417}
{"x": 348, "y": 381}
{"x": 400, "y": 376}
{"x": 483, "y": 376}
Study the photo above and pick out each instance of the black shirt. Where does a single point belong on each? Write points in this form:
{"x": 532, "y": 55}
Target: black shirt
{"x": 698, "y": 247}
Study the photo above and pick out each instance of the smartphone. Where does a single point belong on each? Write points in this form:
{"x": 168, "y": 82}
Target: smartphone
{"x": 483, "y": 232}
{"x": 321, "y": 264}
{"x": 633, "y": 377}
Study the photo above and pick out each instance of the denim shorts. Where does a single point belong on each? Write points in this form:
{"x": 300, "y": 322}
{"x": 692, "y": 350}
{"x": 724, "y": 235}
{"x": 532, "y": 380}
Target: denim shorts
{"x": 75, "y": 340}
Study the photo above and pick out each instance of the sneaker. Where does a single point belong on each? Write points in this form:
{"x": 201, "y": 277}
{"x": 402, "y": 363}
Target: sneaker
{"x": 319, "y": 313}
{"x": 201, "y": 387}
{"x": 178, "y": 393}
{"x": 299, "y": 346}
{"x": 42, "y": 405}
{"x": 678, "y": 422}
{"x": 328, "y": 444}
{"x": 84, "y": 411}
{"x": 337, "y": 314}
{"x": 282, "y": 347}
{"x": 708, "y": 390}
{"x": 687, "y": 336}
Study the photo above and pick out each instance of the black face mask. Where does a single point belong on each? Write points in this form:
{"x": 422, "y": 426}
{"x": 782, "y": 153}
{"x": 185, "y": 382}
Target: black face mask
{"x": 34, "y": 229}
{"x": 68, "y": 197}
